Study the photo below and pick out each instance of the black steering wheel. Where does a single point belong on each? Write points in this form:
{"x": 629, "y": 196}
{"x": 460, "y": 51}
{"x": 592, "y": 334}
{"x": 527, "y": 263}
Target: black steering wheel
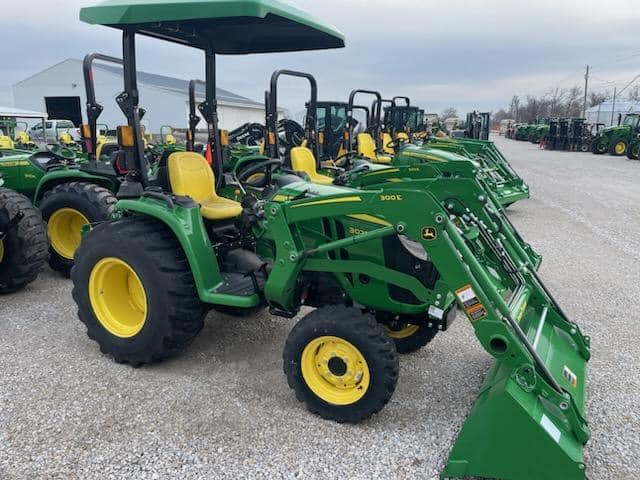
{"x": 345, "y": 160}
{"x": 397, "y": 143}
{"x": 266, "y": 168}
{"x": 61, "y": 153}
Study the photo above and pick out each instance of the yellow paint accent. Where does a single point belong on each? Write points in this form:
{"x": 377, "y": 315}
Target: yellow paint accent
{"x": 65, "y": 231}
{"x": 302, "y": 160}
{"x": 332, "y": 200}
{"x": 335, "y": 389}
{"x": 18, "y": 163}
{"x": 379, "y": 172}
{"x": 386, "y": 140}
{"x": 620, "y": 148}
{"x": 1, "y": 250}
{"x": 117, "y": 297}
{"x": 402, "y": 136}
{"x": 405, "y": 331}
{"x": 190, "y": 175}
{"x": 370, "y": 219}
{"x": 170, "y": 139}
{"x": 281, "y": 198}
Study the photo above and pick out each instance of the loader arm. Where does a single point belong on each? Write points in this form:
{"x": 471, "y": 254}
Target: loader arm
{"x": 539, "y": 376}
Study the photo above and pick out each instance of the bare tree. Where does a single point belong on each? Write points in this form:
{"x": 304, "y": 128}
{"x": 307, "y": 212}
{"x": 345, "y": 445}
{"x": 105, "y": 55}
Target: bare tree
{"x": 634, "y": 94}
{"x": 596, "y": 98}
{"x": 449, "y": 112}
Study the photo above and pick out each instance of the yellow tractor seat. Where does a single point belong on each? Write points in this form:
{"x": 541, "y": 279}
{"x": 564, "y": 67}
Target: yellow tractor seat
{"x": 367, "y": 148}
{"x": 6, "y": 142}
{"x": 403, "y": 136}
{"x": 302, "y": 160}
{"x": 23, "y": 138}
{"x": 190, "y": 175}
{"x": 386, "y": 147}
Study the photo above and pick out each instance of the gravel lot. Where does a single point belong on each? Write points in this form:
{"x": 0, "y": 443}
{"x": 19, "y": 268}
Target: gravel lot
{"x": 223, "y": 409}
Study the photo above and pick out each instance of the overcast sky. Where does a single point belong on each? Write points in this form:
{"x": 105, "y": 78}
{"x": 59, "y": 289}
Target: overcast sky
{"x": 466, "y": 54}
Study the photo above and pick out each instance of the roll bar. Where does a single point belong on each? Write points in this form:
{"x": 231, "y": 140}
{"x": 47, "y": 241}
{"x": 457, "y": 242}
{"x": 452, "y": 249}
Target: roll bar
{"x": 94, "y": 109}
{"x": 375, "y": 116}
{"x": 271, "y": 121}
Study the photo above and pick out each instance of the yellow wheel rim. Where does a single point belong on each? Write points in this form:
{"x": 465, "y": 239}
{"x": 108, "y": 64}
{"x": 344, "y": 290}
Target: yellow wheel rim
{"x": 620, "y": 148}
{"x": 64, "y": 228}
{"x": 255, "y": 177}
{"x": 405, "y": 331}
{"x": 117, "y": 297}
{"x": 1, "y": 250}
{"x": 335, "y": 370}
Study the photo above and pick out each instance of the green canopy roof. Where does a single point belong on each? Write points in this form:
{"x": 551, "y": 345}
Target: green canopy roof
{"x": 231, "y": 26}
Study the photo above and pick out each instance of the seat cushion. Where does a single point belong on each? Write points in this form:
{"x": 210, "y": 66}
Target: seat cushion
{"x": 383, "y": 159}
{"x": 219, "y": 208}
{"x": 303, "y": 160}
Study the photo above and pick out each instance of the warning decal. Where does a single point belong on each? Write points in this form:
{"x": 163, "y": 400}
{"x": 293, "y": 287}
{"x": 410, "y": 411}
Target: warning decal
{"x": 471, "y": 303}
{"x": 571, "y": 377}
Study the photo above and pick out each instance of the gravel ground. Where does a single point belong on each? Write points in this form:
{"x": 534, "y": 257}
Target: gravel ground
{"x": 223, "y": 409}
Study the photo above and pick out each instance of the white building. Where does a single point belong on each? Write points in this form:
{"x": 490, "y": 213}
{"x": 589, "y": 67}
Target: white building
{"x": 607, "y": 112}
{"x": 59, "y": 90}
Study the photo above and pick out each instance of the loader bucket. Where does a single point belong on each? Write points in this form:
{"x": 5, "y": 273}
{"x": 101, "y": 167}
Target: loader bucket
{"x": 512, "y": 433}
{"x": 528, "y": 420}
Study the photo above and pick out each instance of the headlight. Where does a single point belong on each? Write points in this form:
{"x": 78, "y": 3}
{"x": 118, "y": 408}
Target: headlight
{"x": 415, "y": 248}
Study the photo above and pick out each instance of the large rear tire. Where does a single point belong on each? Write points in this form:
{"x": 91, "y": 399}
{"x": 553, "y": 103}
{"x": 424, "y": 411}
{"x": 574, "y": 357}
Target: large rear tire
{"x": 619, "y": 147}
{"x": 135, "y": 291}
{"x": 634, "y": 151}
{"x": 24, "y": 250}
{"x": 66, "y": 208}
{"x": 341, "y": 364}
{"x": 599, "y": 146}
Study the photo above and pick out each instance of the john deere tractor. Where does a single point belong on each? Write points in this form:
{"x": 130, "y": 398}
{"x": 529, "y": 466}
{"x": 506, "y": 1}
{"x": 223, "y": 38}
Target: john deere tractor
{"x": 23, "y": 241}
{"x": 617, "y": 139}
{"x": 369, "y": 261}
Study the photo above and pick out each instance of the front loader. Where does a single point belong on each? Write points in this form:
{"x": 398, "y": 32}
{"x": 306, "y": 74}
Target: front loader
{"x": 364, "y": 259}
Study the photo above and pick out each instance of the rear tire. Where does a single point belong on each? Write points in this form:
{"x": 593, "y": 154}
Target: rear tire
{"x": 341, "y": 364}
{"x": 619, "y": 147}
{"x": 24, "y": 251}
{"x": 82, "y": 202}
{"x": 633, "y": 153}
{"x": 599, "y": 146}
{"x": 410, "y": 338}
{"x": 173, "y": 313}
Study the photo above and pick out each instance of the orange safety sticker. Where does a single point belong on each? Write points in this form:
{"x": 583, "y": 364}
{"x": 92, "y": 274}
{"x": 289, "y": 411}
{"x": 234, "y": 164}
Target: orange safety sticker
{"x": 471, "y": 303}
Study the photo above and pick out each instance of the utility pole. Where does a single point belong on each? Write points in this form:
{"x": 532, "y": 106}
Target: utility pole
{"x": 586, "y": 86}
{"x": 613, "y": 106}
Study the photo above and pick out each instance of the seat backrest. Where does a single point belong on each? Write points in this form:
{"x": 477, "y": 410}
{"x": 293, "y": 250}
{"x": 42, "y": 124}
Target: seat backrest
{"x": 190, "y": 175}
{"x": 302, "y": 160}
{"x": 366, "y": 145}
{"x": 386, "y": 140}
{"x": 403, "y": 136}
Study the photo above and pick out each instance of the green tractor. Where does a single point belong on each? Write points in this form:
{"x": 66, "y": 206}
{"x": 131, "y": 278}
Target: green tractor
{"x": 23, "y": 241}
{"x": 70, "y": 190}
{"x": 617, "y": 139}
{"x": 369, "y": 261}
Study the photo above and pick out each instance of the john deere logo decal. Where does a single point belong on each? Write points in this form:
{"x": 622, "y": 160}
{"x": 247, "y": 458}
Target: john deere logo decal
{"x": 429, "y": 233}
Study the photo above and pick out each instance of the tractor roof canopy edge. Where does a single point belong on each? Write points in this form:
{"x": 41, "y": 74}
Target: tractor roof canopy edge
{"x": 231, "y": 27}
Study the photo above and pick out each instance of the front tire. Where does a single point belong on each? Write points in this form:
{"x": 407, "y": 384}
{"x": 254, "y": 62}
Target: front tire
{"x": 24, "y": 250}
{"x": 341, "y": 364}
{"x": 66, "y": 208}
{"x": 409, "y": 337}
{"x": 135, "y": 291}
{"x": 599, "y": 146}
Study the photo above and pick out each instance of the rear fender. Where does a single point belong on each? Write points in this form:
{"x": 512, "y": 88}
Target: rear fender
{"x": 189, "y": 229}
{"x": 57, "y": 177}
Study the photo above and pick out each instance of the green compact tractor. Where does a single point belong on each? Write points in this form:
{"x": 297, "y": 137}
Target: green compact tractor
{"x": 69, "y": 190}
{"x": 617, "y": 139}
{"x": 539, "y": 133}
{"x": 390, "y": 258}
{"x": 23, "y": 241}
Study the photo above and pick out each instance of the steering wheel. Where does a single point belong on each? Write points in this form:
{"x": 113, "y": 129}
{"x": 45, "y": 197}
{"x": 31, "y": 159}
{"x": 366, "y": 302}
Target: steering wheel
{"x": 344, "y": 160}
{"x": 397, "y": 143}
{"x": 266, "y": 167}
{"x": 61, "y": 153}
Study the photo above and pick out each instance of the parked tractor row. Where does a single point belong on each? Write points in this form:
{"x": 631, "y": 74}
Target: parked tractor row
{"x": 575, "y": 134}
